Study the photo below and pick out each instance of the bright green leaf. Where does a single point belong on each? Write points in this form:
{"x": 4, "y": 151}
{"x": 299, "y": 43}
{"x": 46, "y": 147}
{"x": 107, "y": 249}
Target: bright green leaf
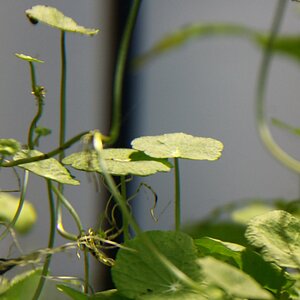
{"x": 118, "y": 162}
{"x": 53, "y": 17}
{"x": 42, "y": 131}
{"x": 28, "y": 58}
{"x": 9, "y": 205}
{"x": 277, "y": 235}
{"x": 179, "y": 145}
{"x": 232, "y": 280}
{"x": 48, "y": 168}
{"x": 245, "y": 214}
{"x": 22, "y": 285}
{"x": 9, "y": 147}
{"x": 139, "y": 272}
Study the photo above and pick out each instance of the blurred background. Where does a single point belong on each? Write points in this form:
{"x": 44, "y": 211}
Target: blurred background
{"x": 204, "y": 88}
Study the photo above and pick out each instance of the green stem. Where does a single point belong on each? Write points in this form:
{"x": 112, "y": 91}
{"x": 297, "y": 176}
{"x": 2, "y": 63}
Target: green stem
{"x": 73, "y": 213}
{"x": 50, "y": 154}
{"x": 177, "y": 195}
{"x": 86, "y": 271}
{"x": 20, "y": 206}
{"x": 50, "y": 242}
{"x": 119, "y": 73}
{"x": 62, "y": 129}
{"x": 124, "y": 219}
{"x": 263, "y": 128}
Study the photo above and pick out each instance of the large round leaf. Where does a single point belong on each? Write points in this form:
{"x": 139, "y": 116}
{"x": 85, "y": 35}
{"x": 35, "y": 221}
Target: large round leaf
{"x": 277, "y": 235}
{"x": 53, "y": 17}
{"x": 179, "y": 145}
{"x": 48, "y": 168}
{"x": 139, "y": 272}
{"x": 118, "y": 162}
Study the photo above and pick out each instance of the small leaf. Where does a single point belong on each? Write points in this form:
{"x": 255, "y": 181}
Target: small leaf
{"x": 233, "y": 281}
{"x": 28, "y": 58}
{"x": 9, "y": 147}
{"x": 22, "y": 285}
{"x": 179, "y": 145}
{"x": 118, "y": 162}
{"x": 139, "y": 272}
{"x": 277, "y": 235}
{"x": 42, "y": 131}
{"x": 48, "y": 168}
{"x": 53, "y": 17}
{"x": 9, "y": 205}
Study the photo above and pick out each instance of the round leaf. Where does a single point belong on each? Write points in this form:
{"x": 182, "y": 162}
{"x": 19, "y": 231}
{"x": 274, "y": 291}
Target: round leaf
{"x": 49, "y": 168}
{"x": 140, "y": 272}
{"x": 118, "y": 162}
{"x": 9, "y": 147}
{"x": 179, "y": 145}
{"x": 28, "y": 58}
{"x": 53, "y": 17}
{"x": 9, "y": 205}
{"x": 277, "y": 234}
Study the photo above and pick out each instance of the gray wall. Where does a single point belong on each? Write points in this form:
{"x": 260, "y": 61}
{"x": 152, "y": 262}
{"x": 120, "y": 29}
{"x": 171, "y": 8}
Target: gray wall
{"x": 88, "y": 96}
{"x": 207, "y": 88}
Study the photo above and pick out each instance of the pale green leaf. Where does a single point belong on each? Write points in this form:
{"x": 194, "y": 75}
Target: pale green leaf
{"x": 179, "y": 145}
{"x": 22, "y": 286}
{"x": 232, "y": 280}
{"x": 9, "y": 147}
{"x": 276, "y": 233}
{"x": 53, "y": 17}
{"x": 9, "y": 205}
{"x": 28, "y": 58}
{"x": 118, "y": 162}
{"x": 139, "y": 272}
{"x": 48, "y": 168}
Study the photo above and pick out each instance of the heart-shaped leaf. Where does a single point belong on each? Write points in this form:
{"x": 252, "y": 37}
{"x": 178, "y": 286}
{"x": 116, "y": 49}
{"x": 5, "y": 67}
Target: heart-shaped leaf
{"x": 53, "y": 17}
{"x": 179, "y": 145}
{"x": 9, "y": 205}
{"x": 139, "y": 272}
{"x": 118, "y": 162}
{"x": 276, "y": 233}
{"x": 48, "y": 168}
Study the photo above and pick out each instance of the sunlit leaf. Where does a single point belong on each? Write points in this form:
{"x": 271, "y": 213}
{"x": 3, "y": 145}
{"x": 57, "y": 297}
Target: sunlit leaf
{"x": 118, "y": 162}
{"x": 232, "y": 280}
{"x": 22, "y": 286}
{"x": 53, "y": 17}
{"x": 277, "y": 235}
{"x": 139, "y": 272}
{"x": 48, "y": 168}
{"x": 188, "y": 33}
{"x": 9, "y": 147}
{"x": 9, "y": 205}
{"x": 179, "y": 145}
{"x": 28, "y": 58}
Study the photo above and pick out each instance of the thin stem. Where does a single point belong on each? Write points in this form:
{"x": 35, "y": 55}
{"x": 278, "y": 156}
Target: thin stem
{"x": 119, "y": 73}
{"x": 177, "y": 195}
{"x": 62, "y": 129}
{"x": 20, "y": 206}
{"x": 263, "y": 128}
{"x": 50, "y": 241}
{"x": 73, "y": 213}
{"x": 124, "y": 219}
{"x": 86, "y": 271}
{"x": 50, "y": 154}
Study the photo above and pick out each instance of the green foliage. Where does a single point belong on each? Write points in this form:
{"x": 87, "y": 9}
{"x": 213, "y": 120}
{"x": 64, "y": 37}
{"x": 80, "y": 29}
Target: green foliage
{"x": 54, "y": 18}
{"x": 9, "y": 147}
{"x": 28, "y": 58}
{"x": 179, "y": 145}
{"x": 48, "y": 168}
{"x": 9, "y": 205}
{"x": 118, "y": 162}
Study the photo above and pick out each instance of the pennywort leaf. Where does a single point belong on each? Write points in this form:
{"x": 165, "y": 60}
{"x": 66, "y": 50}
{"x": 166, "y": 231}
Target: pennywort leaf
{"x": 179, "y": 145}
{"x": 9, "y": 147}
{"x": 54, "y": 18}
{"x": 48, "y": 168}
{"x": 9, "y": 205}
{"x": 118, "y": 162}
{"x": 28, "y": 58}
{"x": 276, "y": 234}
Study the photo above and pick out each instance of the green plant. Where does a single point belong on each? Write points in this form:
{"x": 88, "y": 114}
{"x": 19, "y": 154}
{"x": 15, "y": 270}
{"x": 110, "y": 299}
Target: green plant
{"x": 154, "y": 264}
